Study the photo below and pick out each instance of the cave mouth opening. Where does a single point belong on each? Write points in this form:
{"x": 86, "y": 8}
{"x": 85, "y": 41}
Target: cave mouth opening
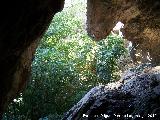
{"x": 66, "y": 65}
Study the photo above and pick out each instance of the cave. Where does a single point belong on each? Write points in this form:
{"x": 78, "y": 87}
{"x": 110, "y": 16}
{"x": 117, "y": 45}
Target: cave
{"x": 24, "y": 22}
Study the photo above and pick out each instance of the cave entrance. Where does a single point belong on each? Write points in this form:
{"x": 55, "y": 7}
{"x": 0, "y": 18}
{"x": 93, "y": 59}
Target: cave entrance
{"x": 67, "y": 64}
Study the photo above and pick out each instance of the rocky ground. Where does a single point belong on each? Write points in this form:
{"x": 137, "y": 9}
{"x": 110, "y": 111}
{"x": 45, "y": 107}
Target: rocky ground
{"x": 135, "y": 96}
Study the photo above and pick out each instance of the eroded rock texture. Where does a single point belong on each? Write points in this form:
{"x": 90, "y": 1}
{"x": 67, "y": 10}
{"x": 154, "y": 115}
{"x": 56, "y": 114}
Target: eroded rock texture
{"x": 21, "y": 26}
{"x": 136, "y": 96}
{"x": 141, "y": 20}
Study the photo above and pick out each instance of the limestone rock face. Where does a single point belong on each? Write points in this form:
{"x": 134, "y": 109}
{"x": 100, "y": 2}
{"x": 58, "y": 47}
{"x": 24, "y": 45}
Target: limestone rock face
{"x": 135, "y": 96}
{"x": 22, "y": 24}
{"x": 141, "y": 19}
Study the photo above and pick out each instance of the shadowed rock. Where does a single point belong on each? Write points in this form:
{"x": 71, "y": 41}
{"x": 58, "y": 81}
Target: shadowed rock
{"x": 23, "y": 23}
{"x": 135, "y": 96}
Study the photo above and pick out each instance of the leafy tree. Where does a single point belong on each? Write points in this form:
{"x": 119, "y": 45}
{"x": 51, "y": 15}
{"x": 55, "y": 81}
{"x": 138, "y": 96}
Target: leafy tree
{"x": 108, "y": 54}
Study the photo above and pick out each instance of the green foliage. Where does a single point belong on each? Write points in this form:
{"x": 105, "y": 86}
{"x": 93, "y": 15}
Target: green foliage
{"x": 108, "y": 54}
{"x": 66, "y": 65}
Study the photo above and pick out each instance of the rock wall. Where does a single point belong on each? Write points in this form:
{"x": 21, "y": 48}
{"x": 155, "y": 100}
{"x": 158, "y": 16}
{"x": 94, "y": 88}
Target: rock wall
{"x": 134, "y": 97}
{"x": 23, "y": 22}
{"x": 141, "y": 20}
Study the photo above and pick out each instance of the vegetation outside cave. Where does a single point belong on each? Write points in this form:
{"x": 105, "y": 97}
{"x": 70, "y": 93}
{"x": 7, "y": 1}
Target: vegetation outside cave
{"x": 67, "y": 64}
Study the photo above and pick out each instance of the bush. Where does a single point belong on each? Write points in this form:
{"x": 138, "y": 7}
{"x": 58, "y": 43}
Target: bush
{"x": 109, "y": 52}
